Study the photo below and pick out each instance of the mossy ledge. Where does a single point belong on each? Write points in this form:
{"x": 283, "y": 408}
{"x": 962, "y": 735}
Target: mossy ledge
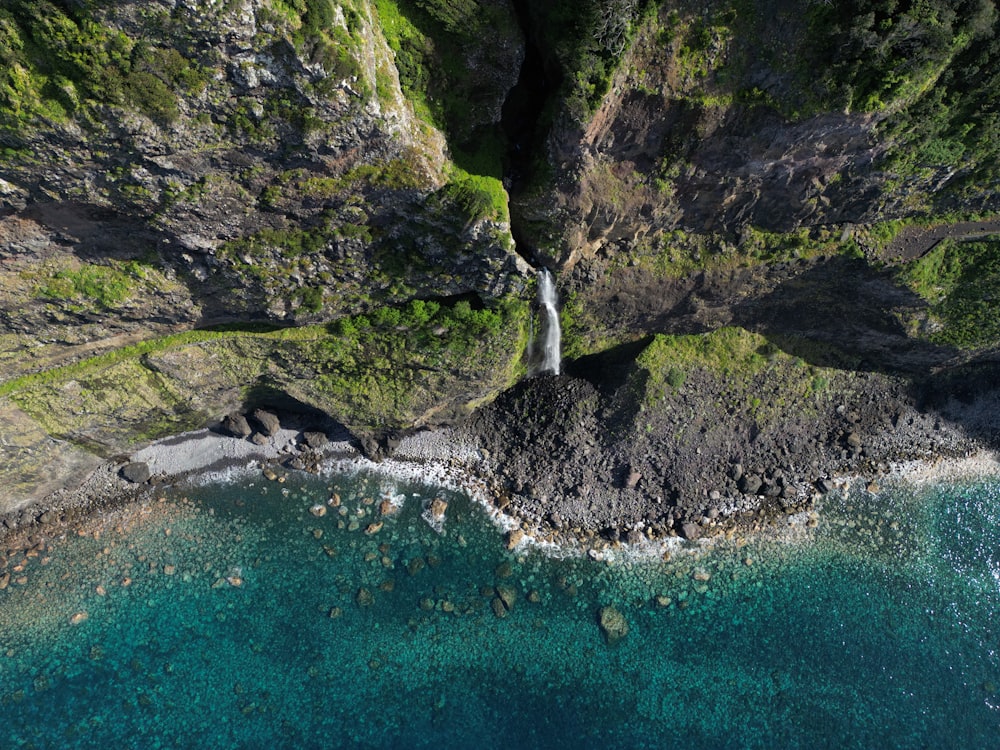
{"x": 424, "y": 363}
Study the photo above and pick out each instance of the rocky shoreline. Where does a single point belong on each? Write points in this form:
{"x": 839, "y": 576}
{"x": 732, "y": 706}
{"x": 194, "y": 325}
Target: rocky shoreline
{"x": 555, "y": 468}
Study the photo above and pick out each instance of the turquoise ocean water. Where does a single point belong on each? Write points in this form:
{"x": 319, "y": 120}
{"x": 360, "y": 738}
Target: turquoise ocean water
{"x": 232, "y": 616}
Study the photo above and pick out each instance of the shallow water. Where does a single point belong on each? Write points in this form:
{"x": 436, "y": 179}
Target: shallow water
{"x": 233, "y": 618}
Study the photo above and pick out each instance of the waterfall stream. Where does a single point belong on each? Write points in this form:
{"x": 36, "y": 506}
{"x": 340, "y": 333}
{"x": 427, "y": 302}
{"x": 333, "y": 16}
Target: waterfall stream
{"x": 549, "y": 332}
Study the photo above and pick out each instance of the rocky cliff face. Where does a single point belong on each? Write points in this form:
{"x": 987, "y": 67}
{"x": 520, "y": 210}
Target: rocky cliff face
{"x": 720, "y": 117}
{"x": 207, "y": 206}
{"x": 243, "y": 164}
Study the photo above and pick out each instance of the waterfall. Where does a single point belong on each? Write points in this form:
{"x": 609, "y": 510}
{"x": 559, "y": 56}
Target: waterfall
{"x": 549, "y": 332}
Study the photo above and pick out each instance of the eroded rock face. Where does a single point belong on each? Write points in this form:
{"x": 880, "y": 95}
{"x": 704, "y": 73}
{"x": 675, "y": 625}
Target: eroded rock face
{"x": 273, "y": 181}
{"x": 709, "y": 128}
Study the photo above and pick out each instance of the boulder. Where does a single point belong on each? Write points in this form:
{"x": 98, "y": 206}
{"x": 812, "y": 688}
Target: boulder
{"x": 825, "y": 485}
{"x": 613, "y": 624}
{"x": 691, "y": 530}
{"x": 267, "y": 422}
{"x": 750, "y": 484}
{"x": 632, "y": 480}
{"x": 364, "y": 598}
{"x": 507, "y": 595}
{"x": 315, "y": 440}
{"x": 136, "y": 472}
{"x": 237, "y": 426}
{"x": 514, "y": 538}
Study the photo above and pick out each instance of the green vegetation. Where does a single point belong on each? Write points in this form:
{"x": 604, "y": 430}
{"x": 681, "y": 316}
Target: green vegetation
{"x": 317, "y": 35}
{"x": 104, "y": 285}
{"x": 57, "y": 60}
{"x": 381, "y": 370}
{"x": 741, "y": 360}
{"x": 961, "y": 283}
{"x": 587, "y": 40}
{"x": 432, "y": 41}
{"x": 677, "y": 254}
{"x": 477, "y": 197}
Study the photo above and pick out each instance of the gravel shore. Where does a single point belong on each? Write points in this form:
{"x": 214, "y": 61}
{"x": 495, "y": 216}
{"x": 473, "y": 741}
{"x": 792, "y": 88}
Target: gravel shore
{"x": 555, "y": 463}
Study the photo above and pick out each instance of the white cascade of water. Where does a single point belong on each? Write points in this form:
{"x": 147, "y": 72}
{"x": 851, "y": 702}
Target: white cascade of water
{"x": 549, "y": 331}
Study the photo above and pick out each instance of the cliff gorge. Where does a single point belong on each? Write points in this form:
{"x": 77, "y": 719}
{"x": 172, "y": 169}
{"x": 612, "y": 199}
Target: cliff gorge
{"x": 211, "y": 205}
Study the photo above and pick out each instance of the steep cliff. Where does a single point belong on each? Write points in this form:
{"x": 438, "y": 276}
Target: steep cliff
{"x": 170, "y": 168}
{"x": 207, "y": 206}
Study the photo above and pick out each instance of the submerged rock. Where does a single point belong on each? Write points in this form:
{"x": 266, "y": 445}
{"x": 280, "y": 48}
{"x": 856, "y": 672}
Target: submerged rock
{"x": 613, "y": 624}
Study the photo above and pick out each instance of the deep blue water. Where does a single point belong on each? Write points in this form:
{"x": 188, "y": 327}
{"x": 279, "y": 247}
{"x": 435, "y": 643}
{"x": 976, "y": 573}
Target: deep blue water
{"x": 876, "y": 628}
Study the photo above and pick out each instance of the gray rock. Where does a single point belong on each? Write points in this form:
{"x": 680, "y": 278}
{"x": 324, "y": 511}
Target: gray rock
{"x": 267, "y": 422}
{"x": 750, "y": 484}
{"x": 315, "y": 440}
{"x": 237, "y": 426}
{"x": 633, "y": 479}
{"x": 635, "y": 536}
{"x": 136, "y": 472}
{"x": 691, "y": 530}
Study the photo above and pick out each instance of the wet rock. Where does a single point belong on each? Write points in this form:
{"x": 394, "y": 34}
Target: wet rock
{"x": 267, "y": 422}
{"x": 514, "y": 538}
{"x": 237, "y": 426}
{"x": 373, "y": 528}
{"x": 78, "y": 618}
{"x": 825, "y": 485}
{"x": 498, "y": 608}
{"x": 136, "y": 472}
{"x": 613, "y": 624}
{"x": 507, "y": 595}
{"x": 318, "y": 510}
{"x": 415, "y": 565}
{"x": 438, "y": 508}
{"x": 634, "y": 536}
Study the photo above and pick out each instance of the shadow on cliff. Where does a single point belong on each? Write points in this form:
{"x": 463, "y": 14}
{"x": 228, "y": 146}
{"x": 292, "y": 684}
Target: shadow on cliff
{"x": 95, "y": 234}
{"x": 843, "y": 313}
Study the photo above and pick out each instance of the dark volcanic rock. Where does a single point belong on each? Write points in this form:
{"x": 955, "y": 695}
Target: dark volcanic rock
{"x": 136, "y": 472}
{"x": 237, "y": 426}
{"x": 315, "y": 440}
{"x": 267, "y": 422}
